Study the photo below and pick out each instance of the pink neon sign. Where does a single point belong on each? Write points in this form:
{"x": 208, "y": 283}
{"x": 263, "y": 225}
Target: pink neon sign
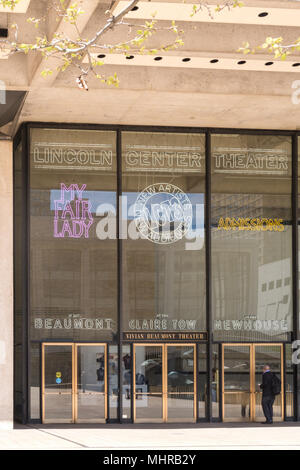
{"x": 73, "y": 218}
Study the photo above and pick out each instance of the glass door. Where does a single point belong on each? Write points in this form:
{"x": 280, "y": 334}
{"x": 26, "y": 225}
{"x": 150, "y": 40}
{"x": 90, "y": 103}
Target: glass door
{"x": 148, "y": 383}
{"x": 91, "y": 383}
{"x": 164, "y": 383}
{"x": 236, "y": 383}
{"x": 181, "y": 383}
{"x": 57, "y": 383}
{"x": 74, "y": 383}
{"x": 242, "y": 376}
{"x": 272, "y": 356}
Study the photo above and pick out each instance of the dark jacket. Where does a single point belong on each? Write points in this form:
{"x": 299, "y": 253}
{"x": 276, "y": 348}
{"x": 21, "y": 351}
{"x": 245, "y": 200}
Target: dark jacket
{"x": 266, "y": 385}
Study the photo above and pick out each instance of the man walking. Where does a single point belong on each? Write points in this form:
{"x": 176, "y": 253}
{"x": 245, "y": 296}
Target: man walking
{"x": 268, "y": 396}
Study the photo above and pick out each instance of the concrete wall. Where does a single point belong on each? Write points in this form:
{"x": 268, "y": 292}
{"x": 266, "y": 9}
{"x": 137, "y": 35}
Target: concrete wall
{"x": 6, "y": 284}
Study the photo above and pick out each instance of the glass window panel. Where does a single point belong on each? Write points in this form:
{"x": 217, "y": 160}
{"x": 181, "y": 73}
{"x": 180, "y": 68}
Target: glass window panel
{"x": 58, "y": 360}
{"x": 113, "y": 381}
{"x": 35, "y": 386}
{"x": 148, "y": 400}
{"x": 180, "y": 372}
{"x": 236, "y": 396}
{"x": 251, "y": 237}
{"x": 202, "y": 371}
{"x": 180, "y": 382}
{"x": 73, "y": 257}
{"x": 148, "y": 369}
{"x": 126, "y": 374}
{"x": 163, "y": 231}
{"x": 148, "y": 407}
{"x": 215, "y": 391}
{"x": 58, "y": 382}
{"x": 289, "y": 381}
{"x": 180, "y": 407}
{"x": 58, "y": 407}
{"x": 91, "y": 376}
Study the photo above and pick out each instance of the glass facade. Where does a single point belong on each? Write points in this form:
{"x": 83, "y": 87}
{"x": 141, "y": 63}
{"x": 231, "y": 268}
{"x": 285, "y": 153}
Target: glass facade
{"x": 73, "y": 272}
{"x": 163, "y": 271}
{"x": 154, "y": 273}
{"x": 251, "y": 237}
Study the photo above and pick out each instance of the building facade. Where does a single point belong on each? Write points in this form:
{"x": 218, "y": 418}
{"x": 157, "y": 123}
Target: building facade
{"x": 155, "y": 273}
{"x": 149, "y": 242}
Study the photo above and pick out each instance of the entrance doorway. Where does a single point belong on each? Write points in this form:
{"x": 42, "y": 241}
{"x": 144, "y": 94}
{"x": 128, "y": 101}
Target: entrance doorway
{"x": 74, "y": 383}
{"x": 242, "y": 367}
{"x": 164, "y": 383}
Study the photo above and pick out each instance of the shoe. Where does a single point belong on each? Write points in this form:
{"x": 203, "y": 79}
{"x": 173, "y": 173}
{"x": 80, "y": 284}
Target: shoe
{"x": 267, "y": 422}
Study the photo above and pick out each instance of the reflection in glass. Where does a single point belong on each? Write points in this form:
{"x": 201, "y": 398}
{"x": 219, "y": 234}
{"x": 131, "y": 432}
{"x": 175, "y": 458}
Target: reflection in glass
{"x": 113, "y": 378}
{"x": 236, "y": 385}
{"x": 148, "y": 383}
{"x": 148, "y": 368}
{"x": 180, "y": 383}
{"x": 251, "y": 237}
{"x": 202, "y": 367}
{"x": 57, "y": 392}
{"x": 165, "y": 383}
{"x": 243, "y": 369}
{"x": 91, "y": 383}
{"x": 126, "y": 374}
{"x": 180, "y": 369}
{"x": 164, "y": 283}
{"x": 73, "y": 256}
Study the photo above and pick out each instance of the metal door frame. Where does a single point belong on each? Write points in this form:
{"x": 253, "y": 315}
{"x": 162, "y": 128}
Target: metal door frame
{"x": 74, "y": 389}
{"x": 252, "y": 391}
{"x": 164, "y": 393}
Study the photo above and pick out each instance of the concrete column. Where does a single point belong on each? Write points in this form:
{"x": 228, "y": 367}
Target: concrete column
{"x": 6, "y": 284}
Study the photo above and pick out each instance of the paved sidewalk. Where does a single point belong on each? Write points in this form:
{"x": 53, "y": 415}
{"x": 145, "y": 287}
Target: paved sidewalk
{"x": 145, "y": 437}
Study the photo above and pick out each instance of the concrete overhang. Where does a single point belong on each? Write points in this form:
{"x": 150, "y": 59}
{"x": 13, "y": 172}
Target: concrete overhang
{"x": 21, "y": 7}
{"x": 10, "y": 104}
{"x": 183, "y": 12}
{"x": 214, "y": 62}
{"x": 217, "y": 87}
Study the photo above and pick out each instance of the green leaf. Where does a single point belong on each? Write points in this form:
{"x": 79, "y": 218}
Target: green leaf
{"x": 46, "y": 72}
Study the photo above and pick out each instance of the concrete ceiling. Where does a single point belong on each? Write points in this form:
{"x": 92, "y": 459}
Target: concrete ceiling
{"x": 168, "y": 92}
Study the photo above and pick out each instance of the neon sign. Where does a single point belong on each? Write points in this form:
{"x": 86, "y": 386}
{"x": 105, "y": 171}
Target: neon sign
{"x": 253, "y": 224}
{"x": 73, "y": 218}
{"x": 251, "y": 161}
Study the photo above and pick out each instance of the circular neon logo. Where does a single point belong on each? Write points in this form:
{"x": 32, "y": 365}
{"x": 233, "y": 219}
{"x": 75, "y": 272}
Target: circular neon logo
{"x": 163, "y": 213}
